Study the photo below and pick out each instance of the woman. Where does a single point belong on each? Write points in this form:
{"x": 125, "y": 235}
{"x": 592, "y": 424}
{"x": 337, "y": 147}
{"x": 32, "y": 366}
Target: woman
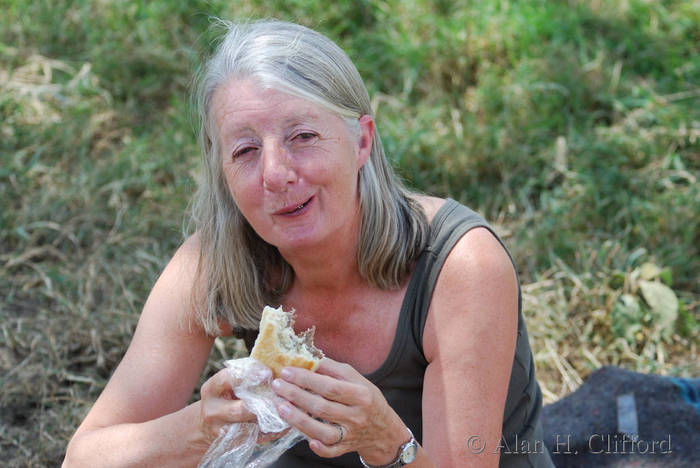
{"x": 414, "y": 299}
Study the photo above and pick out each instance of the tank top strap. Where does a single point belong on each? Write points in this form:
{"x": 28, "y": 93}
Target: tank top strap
{"x": 449, "y": 224}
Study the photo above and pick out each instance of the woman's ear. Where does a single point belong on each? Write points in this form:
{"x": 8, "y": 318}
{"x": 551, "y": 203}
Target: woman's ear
{"x": 366, "y": 138}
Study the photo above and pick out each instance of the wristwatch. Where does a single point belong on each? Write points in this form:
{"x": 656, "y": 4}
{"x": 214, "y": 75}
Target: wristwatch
{"x": 407, "y": 453}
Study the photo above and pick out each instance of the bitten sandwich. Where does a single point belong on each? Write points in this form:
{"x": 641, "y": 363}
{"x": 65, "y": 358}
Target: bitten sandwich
{"x": 277, "y": 345}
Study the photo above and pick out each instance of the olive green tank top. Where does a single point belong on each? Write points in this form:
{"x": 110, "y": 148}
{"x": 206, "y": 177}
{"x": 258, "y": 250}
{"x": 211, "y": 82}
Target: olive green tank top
{"x": 400, "y": 377}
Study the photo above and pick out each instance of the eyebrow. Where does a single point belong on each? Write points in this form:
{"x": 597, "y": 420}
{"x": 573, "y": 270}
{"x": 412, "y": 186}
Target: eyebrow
{"x": 234, "y": 126}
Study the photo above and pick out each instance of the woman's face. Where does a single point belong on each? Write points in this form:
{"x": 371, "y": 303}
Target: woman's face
{"x": 291, "y": 166}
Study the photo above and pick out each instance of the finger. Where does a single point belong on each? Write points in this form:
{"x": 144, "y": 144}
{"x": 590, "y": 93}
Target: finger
{"x": 339, "y": 370}
{"x": 327, "y": 434}
{"x": 218, "y": 385}
{"x": 223, "y": 382}
{"x": 219, "y": 412}
{"x": 331, "y": 388}
{"x": 312, "y": 403}
{"x": 223, "y": 411}
{"x": 253, "y": 371}
{"x": 327, "y": 451}
{"x": 264, "y": 437}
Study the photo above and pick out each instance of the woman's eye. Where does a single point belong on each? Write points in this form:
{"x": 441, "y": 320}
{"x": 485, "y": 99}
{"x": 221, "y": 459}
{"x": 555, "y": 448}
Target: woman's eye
{"x": 305, "y": 136}
{"x": 242, "y": 151}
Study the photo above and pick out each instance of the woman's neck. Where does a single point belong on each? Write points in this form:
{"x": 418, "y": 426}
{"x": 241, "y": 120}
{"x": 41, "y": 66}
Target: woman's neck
{"x": 330, "y": 267}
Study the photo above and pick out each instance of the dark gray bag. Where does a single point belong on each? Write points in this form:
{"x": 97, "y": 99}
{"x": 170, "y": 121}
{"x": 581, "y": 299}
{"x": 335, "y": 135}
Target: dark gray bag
{"x": 620, "y": 418}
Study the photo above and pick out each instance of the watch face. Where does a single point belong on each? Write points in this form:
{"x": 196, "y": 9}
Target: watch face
{"x": 408, "y": 454}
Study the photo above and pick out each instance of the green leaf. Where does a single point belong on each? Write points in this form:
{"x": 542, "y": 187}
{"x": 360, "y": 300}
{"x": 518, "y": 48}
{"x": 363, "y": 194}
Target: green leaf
{"x": 666, "y": 276}
{"x": 663, "y": 303}
{"x": 617, "y": 280}
{"x": 649, "y": 271}
{"x": 687, "y": 326}
{"x": 626, "y": 318}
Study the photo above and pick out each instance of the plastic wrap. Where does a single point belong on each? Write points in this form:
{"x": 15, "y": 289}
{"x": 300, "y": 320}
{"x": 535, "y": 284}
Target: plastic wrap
{"x": 237, "y": 444}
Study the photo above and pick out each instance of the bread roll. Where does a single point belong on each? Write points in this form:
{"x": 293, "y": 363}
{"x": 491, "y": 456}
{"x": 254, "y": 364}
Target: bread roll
{"x": 277, "y": 345}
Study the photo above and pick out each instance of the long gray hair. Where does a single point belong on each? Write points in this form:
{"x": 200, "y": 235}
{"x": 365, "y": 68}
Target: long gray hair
{"x": 239, "y": 272}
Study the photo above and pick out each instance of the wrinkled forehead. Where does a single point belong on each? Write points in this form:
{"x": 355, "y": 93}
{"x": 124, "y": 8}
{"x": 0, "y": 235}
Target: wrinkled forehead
{"x": 237, "y": 99}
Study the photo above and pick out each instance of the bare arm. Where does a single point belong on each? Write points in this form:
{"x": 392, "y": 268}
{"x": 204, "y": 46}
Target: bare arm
{"x": 141, "y": 417}
{"x": 469, "y": 341}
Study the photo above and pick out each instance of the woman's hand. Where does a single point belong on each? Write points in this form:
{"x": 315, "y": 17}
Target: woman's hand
{"x": 219, "y": 406}
{"x": 355, "y": 414}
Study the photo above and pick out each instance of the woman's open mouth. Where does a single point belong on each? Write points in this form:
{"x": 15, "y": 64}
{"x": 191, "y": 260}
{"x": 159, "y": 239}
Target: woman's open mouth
{"x": 297, "y": 210}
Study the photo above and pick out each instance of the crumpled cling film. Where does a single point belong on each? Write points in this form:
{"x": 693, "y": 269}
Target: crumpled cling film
{"x": 236, "y": 446}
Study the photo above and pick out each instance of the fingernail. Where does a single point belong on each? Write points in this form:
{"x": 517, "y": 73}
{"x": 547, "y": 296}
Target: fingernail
{"x": 286, "y": 373}
{"x": 283, "y": 410}
{"x": 262, "y": 369}
{"x": 276, "y": 384}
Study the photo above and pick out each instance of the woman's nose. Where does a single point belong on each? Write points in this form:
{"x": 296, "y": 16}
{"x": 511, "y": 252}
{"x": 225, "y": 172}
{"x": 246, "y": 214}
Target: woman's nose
{"x": 277, "y": 168}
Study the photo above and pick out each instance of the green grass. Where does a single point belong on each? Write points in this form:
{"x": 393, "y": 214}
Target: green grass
{"x": 573, "y": 126}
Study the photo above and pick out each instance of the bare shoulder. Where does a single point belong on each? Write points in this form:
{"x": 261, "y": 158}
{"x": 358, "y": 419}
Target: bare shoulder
{"x": 477, "y": 284}
{"x": 183, "y": 265}
{"x": 430, "y": 204}
{"x": 480, "y": 254}
{"x": 178, "y": 277}
{"x": 173, "y": 290}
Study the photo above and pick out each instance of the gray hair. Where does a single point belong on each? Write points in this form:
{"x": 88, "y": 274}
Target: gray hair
{"x": 235, "y": 264}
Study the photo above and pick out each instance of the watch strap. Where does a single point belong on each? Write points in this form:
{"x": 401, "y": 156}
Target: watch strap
{"x": 398, "y": 461}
